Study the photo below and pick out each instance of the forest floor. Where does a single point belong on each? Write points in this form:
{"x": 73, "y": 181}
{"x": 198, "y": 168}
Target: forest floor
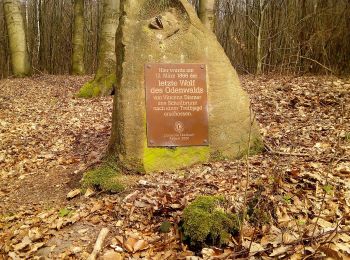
{"x": 49, "y": 137}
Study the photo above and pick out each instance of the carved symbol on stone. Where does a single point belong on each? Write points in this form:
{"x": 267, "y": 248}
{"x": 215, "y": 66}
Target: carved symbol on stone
{"x": 157, "y": 23}
{"x": 179, "y": 127}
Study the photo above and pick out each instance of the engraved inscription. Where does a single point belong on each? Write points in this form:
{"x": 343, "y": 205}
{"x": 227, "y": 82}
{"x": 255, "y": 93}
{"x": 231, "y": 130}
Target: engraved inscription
{"x": 176, "y": 104}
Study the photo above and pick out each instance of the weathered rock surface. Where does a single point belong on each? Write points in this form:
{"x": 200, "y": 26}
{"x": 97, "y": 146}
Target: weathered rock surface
{"x": 181, "y": 38}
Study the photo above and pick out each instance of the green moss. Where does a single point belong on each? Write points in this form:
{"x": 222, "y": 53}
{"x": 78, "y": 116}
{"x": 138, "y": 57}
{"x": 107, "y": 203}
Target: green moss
{"x": 257, "y": 146}
{"x": 147, "y": 30}
{"x": 165, "y": 227}
{"x": 206, "y": 223}
{"x": 260, "y": 209}
{"x": 105, "y": 177}
{"x": 216, "y": 156}
{"x": 131, "y": 165}
{"x": 156, "y": 159}
{"x": 101, "y": 85}
{"x": 65, "y": 212}
{"x": 347, "y": 136}
{"x": 88, "y": 90}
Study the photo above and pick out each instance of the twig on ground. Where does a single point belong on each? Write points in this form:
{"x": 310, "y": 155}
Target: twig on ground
{"x": 329, "y": 239}
{"x": 330, "y": 168}
{"x": 272, "y": 151}
{"x": 99, "y": 242}
{"x": 297, "y": 242}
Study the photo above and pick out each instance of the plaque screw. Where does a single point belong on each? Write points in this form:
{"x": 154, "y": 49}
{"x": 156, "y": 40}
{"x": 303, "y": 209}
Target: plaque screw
{"x": 202, "y": 66}
{"x": 148, "y": 66}
{"x": 205, "y": 141}
{"x": 151, "y": 142}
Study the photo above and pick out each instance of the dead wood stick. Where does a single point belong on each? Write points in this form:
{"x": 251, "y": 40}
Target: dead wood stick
{"x": 291, "y": 154}
{"x": 317, "y": 62}
{"x": 99, "y": 242}
{"x": 271, "y": 150}
{"x": 315, "y": 238}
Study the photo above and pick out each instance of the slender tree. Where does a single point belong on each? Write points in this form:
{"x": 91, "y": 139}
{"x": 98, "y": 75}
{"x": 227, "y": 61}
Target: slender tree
{"x": 78, "y": 39}
{"x": 206, "y": 13}
{"x": 105, "y": 77}
{"x": 259, "y": 55}
{"x": 17, "y": 38}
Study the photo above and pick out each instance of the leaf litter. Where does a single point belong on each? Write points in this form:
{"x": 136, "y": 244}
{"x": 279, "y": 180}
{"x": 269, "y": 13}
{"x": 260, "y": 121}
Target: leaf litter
{"x": 48, "y": 137}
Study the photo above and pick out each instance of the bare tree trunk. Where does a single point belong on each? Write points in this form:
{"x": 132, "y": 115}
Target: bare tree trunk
{"x": 259, "y": 49}
{"x": 78, "y": 39}
{"x": 104, "y": 80}
{"x": 206, "y": 13}
{"x": 38, "y": 13}
{"x": 17, "y": 38}
{"x": 302, "y": 32}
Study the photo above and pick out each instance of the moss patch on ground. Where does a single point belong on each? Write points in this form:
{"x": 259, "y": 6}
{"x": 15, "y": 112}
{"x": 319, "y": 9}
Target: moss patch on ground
{"x": 106, "y": 177}
{"x": 257, "y": 146}
{"x": 260, "y": 210}
{"x": 205, "y": 222}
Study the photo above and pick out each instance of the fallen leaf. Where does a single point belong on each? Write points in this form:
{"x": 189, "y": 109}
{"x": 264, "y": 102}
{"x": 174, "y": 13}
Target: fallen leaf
{"x": 23, "y": 244}
{"x": 35, "y": 247}
{"x": 279, "y": 251}
{"x": 140, "y": 204}
{"x": 254, "y": 247}
{"x": 132, "y": 196}
{"x": 330, "y": 252}
{"x": 207, "y": 253}
{"x": 344, "y": 247}
{"x": 34, "y": 234}
{"x": 73, "y": 193}
{"x": 140, "y": 245}
{"x": 129, "y": 244}
{"x": 111, "y": 255}
{"x": 89, "y": 192}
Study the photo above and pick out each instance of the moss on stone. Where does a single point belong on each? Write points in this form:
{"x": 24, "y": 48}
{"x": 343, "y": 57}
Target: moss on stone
{"x": 205, "y": 222}
{"x": 216, "y": 156}
{"x": 105, "y": 177}
{"x": 256, "y": 147}
{"x": 101, "y": 85}
{"x": 131, "y": 165}
{"x": 156, "y": 159}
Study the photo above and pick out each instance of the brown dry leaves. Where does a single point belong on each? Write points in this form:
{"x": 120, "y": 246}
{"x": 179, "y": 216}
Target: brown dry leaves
{"x": 305, "y": 175}
{"x": 47, "y": 133}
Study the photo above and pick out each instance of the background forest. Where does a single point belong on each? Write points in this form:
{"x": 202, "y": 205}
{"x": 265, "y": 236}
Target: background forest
{"x": 259, "y": 36}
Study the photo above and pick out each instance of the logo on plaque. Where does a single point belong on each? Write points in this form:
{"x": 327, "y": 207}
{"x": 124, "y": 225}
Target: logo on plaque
{"x": 179, "y": 127}
{"x": 176, "y": 105}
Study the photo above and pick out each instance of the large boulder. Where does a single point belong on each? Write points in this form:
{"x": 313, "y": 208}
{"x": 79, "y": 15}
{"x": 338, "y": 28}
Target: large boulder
{"x": 179, "y": 37}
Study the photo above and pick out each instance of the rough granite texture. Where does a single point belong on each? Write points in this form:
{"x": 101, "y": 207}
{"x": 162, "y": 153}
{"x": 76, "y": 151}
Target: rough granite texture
{"x": 184, "y": 39}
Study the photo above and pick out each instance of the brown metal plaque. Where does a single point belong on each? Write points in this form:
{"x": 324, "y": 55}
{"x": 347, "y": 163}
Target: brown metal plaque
{"x": 176, "y": 104}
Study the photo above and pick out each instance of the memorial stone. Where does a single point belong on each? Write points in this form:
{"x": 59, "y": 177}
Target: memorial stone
{"x": 178, "y": 100}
